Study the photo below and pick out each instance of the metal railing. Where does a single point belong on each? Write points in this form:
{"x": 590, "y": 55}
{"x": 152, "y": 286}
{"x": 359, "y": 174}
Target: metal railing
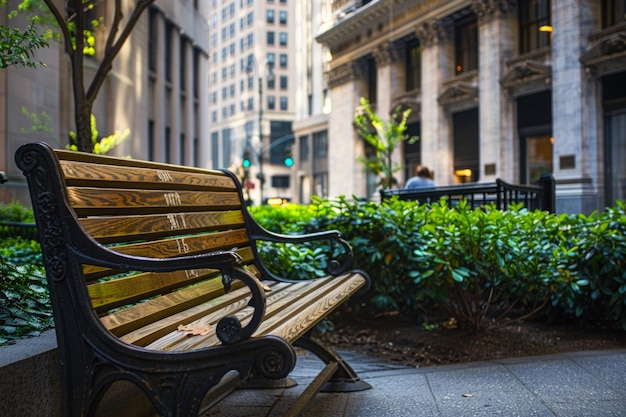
{"x": 500, "y": 193}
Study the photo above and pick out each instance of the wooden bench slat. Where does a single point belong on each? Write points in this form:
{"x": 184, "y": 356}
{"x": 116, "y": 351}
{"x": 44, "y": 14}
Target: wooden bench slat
{"x": 279, "y": 296}
{"x": 163, "y": 177}
{"x": 122, "y": 291}
{"x": 212, "y": 310}
{"x": 135, "y": 317}
{"x": 109, "y": 229}
{"x": 102, "y": 201}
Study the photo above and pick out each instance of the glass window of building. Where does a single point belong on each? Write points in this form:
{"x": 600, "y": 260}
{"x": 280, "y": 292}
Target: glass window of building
{"x": 283, "y": 82}
{"x": 271, "y": 58}
{"x": 413, "y": 65}
{"x": 283, "y": 60}
{"x": 271, "y": 82}
{"x": 270, "y": 16}
{"x": 320, "y": 144}
{"x": 466, "y": 45}
{"x": 303, "y": 147}
{"x": 283, "y": 103}
{"x": 282, "y": 17}
{"x": 613, "y": 12}
{"x": 534, "y": 24}
{"x": 271, "y": 102}
{"x": 270, "y": 37}
{"x": 283, "y": 38}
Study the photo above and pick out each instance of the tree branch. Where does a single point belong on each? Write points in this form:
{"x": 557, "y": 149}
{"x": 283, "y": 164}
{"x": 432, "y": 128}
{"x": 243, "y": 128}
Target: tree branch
{"x": 67, "y": 38}
{"x": 114, "y": 46}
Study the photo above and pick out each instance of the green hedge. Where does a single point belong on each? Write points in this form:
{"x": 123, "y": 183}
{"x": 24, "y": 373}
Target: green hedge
{"x": 485, "y": 267}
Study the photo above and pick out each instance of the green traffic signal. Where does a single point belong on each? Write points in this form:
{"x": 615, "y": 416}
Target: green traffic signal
{"x": 288, "y": 162}
{"x": 246, "y": 163}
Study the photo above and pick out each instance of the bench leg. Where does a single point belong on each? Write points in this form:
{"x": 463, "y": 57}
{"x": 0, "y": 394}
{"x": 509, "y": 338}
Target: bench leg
{"x": 344, "y": 379}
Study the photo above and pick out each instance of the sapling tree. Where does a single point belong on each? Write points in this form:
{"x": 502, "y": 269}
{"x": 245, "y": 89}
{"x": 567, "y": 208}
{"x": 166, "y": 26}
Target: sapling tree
{"x": 385, "y": 136}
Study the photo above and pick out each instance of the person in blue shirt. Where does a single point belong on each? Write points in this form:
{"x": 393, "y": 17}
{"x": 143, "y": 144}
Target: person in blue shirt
{"x": 423, "y": 178}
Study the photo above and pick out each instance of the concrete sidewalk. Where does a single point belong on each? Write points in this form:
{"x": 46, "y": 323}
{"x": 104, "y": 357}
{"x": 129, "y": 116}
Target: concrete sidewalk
{"x": 582, "y": 384}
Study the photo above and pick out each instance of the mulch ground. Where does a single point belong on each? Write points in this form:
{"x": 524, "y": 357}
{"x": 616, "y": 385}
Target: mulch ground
{"x": 396, "y": 339}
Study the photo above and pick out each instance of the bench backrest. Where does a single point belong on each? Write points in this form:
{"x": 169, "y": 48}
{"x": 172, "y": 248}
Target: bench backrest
{"x": 143, "y": 209}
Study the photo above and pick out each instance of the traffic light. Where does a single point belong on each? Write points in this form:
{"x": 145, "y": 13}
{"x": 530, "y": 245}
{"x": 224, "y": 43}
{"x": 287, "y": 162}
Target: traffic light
{"x": 246, "y": 160}
{"x": 288, "y": 157}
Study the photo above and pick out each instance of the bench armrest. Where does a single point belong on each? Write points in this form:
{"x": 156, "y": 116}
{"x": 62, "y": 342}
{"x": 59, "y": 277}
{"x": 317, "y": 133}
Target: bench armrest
{"x": 335, "y": 266}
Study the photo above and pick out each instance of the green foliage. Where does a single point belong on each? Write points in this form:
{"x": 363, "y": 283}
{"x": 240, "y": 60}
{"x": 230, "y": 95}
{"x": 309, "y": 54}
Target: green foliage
{"x": 101, "y": 145}
{"x": 17, "y": 47}
{"x": 24, "y": 301}
{"x": 16, "y": 212}
{"x": 384, "y": 137}
{"x": 39, "y": 123}
{"x": 485, "y": 267}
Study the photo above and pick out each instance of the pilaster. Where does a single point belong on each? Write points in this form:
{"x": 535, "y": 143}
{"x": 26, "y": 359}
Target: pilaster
{"x": 437, "y": 65}
{"x": 577, "y": 184}
{"x": 497, "y": 40}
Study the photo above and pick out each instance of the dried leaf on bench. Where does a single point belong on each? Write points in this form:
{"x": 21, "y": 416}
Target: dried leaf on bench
{"x": 195, "y": 329}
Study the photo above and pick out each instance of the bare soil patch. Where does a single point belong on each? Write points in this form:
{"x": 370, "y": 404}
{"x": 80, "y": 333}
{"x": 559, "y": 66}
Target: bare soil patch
{"x": 397, "y": 339}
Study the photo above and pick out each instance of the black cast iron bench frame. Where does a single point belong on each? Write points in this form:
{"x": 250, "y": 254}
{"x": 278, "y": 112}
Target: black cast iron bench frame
{"x": 139, "y": 255}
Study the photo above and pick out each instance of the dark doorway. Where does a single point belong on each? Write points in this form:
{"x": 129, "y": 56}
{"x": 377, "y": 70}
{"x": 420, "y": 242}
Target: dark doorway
{"x": 466, "y": 146}
{"x": 534, "y": 121}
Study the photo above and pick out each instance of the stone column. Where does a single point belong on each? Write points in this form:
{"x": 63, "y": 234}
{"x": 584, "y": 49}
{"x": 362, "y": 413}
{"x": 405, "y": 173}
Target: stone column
{"x": 437, "y": 65}
{"x": 343, "y": 144}
{"x": 497, "y": 43}
{"x": 387, "y": 86}
{"x": 577, "y": 187}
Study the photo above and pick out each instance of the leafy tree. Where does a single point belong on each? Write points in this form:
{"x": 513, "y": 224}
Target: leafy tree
{"x": 78, "y": 34}
{"x": 384, "y": 136}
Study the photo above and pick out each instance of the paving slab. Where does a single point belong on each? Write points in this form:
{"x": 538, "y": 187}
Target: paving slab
{"x": 581, "y": 384}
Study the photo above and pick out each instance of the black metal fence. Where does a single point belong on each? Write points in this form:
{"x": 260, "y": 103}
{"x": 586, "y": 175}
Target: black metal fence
{"x": 501, "y": 193}
{"x": 18, "y": 229}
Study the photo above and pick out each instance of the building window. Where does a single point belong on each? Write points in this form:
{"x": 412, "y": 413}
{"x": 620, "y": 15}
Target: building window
{"x": 466, "y": 45}
{"x": 320, "y": 144}
{"x": 303, "y": 147}
{"x": 271, "y": 59}
{"x": 215, "y": 147}
{"x": 169, "y": 38}
{"x": 226, "y": 147}
{"x": 271, "y": 102}
{"x": 283, "y": 38}
{"x": 271, "y": 83}
{"x": 534, "y": 24}
{"x": 371, "y": 79}
{"x": 270, "y": 17}
{"x": 152, "y": 40}
{"x": 283, "y": 82}
{"x": 613, "y": 12}
{"x": 413, "y": 65}
{"x": 282, "y": 18}
{"x": 283, "y": 103}
{"x": 283, "y": 60}
{"x": 270, "y": 38}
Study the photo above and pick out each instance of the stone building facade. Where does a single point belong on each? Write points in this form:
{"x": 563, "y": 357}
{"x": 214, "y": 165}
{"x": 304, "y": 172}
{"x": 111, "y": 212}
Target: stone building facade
{"x": 498, "y": 89}
{"x": 156, "y": 89}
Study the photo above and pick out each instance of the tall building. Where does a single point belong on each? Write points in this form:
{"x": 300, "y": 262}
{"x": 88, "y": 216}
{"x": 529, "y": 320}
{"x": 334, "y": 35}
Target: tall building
{"x": 497, "y": 88}
{"x": 251, "y": 92}
{"x": 156, "y": 89}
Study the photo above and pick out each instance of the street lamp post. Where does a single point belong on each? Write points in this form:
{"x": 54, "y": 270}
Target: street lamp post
{"x": 259, "y": 74}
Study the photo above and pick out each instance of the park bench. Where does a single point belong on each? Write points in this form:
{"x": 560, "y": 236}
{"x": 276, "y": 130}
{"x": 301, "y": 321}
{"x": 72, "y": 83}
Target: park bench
{"x": 156, "y": 279}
